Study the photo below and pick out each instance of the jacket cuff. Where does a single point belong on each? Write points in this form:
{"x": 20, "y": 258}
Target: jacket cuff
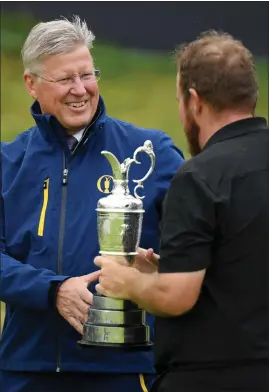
{"x": 53, "y": 290}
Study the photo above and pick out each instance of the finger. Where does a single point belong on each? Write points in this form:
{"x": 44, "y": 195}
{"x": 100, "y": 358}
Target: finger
{"x": 76, "y": 312}
{"x": 146, "y": 255}
{"x": 149, "y": 253}
{"x": 102, "y": 261}
{"x": 98, "y": 260}
{"x": 142, "y": 252}
{"x": 92, "y": 277}
{"x": 139, "y": 249}
{"x": 80, "y": 316}
{"x": 84, "y": 307}
{"x": 76, "y": 324}
{"x": 83, "y": 310}
{"x": 149, "y": 256}
{"x": 152, "y": 257}
{"x": 85, "y": 295}
{"x": 100, "y": 289}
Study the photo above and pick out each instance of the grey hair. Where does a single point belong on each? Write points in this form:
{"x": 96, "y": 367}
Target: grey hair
{"x": 55, "y": 37}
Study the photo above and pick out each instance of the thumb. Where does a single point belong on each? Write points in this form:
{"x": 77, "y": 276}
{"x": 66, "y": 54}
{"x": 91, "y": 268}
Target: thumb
{"x": 98, "y": 261}
{"x": 145, "y": 253}
{"x": 149, "y": 253}
{"x": 141, "y": 251}
{"x": 92, "y": 277}
{"x": 152, "y": 257}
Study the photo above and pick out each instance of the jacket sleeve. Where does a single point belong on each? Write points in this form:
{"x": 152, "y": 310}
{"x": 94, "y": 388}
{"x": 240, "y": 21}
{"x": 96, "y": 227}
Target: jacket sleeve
{"x": 169, "y": 158}
{"x": 22, "y": 284}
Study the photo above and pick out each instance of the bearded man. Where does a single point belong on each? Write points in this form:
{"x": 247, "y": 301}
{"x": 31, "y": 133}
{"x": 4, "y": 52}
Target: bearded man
{"x": 210, "y": 291}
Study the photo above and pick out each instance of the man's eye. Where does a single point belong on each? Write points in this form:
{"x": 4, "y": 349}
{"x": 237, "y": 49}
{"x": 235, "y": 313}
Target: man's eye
{"x": 64, "y": 80}
{"x": 86, "y": 76}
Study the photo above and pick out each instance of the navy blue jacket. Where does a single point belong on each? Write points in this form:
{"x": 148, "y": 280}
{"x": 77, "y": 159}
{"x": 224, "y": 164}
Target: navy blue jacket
{"x": 49, "y": 233}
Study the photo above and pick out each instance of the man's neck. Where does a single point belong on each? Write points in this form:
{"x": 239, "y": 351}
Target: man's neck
{"x": 214, "y": 123}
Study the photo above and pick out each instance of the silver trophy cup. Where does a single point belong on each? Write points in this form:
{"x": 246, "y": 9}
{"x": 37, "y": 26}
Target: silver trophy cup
{"x": 115, "y": 322}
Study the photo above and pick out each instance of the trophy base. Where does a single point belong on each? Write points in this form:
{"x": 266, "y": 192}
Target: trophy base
{"x": 84, "y": 344}
{"x": 115, "y": 323}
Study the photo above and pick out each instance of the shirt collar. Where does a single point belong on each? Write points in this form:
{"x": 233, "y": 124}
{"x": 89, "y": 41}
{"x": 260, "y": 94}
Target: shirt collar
{"x": 237, "y": 128}
{"x": 78, "y": 135}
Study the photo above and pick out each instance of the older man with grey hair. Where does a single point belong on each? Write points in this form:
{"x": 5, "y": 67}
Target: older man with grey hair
{"x": 48, "y": 241}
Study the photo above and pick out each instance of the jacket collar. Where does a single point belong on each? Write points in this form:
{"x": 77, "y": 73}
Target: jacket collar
{"x": 52, "y": 130}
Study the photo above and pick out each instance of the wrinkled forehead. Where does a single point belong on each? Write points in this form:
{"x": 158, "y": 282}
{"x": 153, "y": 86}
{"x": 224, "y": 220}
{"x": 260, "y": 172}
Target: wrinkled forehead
{"x": 76, "y": 61}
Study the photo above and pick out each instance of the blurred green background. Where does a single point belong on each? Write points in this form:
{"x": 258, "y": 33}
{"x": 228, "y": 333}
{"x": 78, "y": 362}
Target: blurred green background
{"x": 137, "y": 86}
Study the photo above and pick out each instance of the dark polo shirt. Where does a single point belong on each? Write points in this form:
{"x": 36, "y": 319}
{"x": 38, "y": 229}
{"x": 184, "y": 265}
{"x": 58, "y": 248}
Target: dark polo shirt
{"x": 216, "y": 217}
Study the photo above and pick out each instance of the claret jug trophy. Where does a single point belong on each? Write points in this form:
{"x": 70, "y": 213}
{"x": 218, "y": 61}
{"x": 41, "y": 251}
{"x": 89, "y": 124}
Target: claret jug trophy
{"x": 115, "y": 322}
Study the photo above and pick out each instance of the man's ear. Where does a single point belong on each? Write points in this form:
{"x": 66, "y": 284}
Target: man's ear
{"x": 30, "y": 84}
{"x": 195, "y": 103}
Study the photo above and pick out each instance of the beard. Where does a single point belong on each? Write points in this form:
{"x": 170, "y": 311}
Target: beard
{"x": 192, "y": 131}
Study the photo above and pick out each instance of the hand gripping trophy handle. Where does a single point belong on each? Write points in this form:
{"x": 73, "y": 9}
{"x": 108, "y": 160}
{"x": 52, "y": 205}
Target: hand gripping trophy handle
{"x": 114, "y": 322}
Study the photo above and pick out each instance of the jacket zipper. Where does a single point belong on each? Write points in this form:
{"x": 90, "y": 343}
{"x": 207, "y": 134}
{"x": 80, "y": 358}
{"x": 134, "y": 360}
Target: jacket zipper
{"x": 41, "y": 225}
{"x": 62, "y": 225}
{"x": 60, "y": 243}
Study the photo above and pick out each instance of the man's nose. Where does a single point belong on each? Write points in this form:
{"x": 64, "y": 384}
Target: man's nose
{"x": 78, "y": 87}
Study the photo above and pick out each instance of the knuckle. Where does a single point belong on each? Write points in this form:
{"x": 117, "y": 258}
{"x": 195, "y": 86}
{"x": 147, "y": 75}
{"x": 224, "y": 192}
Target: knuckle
{"x": 85, "y": 310}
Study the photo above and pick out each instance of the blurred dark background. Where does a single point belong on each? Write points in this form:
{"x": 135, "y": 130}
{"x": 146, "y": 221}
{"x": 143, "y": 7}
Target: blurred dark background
{"x": 159, "y": 25}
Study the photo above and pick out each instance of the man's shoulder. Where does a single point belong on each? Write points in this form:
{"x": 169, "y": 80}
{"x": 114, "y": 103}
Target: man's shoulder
{"x": 215, "y": 157}
{"x": 215, "y": 167}
{"x": 19, "y": 143}
{"x": 203, "y": 167}
{"x": 133, "y": 130}
{"x": 135, "y": 134}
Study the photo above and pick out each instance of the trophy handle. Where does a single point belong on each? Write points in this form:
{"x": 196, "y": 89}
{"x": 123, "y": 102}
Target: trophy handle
{"x": 148, "y": 149}
{"x": 121, "y": 171}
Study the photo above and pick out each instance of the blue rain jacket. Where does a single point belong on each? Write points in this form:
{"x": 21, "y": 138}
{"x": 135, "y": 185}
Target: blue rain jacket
{"x": 49, "y": 233}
